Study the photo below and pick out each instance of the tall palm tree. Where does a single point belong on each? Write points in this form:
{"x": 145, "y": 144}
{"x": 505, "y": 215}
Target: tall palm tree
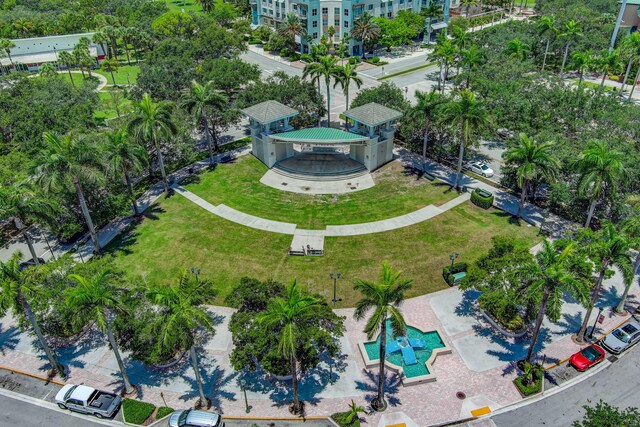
{"x": 287, "y": 313}
{"x": 547, "y": 26}
{"x": 467, "y": 5}
{"x": 100, "y": 38}
{"x": 325, "y": 67}
{"x": 472, "y": 58}
{"x": 97, "y": 299}
{"x": 431, "y": 12}
{"x": 582, "y": 61}
{"x": 601, "y": 170}
{"x": 606, "y": 248}
{"x": 366, "y": 30}
{"x": 124, "y": 155}
{"x": 23, "y": 26}
{"x": 181, "y": 315}
{"x": 631, "y": 229}
{"x": 292, "y": 27}
{"x": 67, "y": 60}
{"x": 64, "y": 161}
{"x": 345, "y": 74}
{"x": 607, "y": 62}
{"x": 6, "y": 45}
{"x": 533, "y": 161}
{"x": 426, "y": 109}
{"x": 110, "y": 65}
{"x": 111, "y": 33}
{"x": 384, "y": 298}
{"x": 460, "y": 37}
{"x": 445, "y": 54}
{"x": 549, "y": 278}
{"x": 207, "y": 5}
{"x": 517, "y": 49}
{"x": 16, "y": 289}
{"x": 630, "y": 46}
{"x": 201, "y": 101}
{"x": 153, "y": 123}
{"x": 571, "y": 31}
{"x": 20, "y": 203}
{"x": 471, "y": 115}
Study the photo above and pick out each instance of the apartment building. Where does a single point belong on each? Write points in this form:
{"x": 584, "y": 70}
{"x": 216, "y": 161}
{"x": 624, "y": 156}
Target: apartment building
{"x": 319, "y": 15}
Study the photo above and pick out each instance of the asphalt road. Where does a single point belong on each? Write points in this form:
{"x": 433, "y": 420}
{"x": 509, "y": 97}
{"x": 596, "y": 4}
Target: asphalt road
{"x": 19, "y": 413}
{"x": 616, "y": 385}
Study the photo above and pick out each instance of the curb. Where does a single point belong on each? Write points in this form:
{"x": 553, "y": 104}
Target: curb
{"x": 250, "y": 418}
{"x": 38, "y": 377}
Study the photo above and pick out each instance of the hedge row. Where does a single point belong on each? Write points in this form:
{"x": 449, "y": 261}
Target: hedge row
{"x": 480, "y": 200}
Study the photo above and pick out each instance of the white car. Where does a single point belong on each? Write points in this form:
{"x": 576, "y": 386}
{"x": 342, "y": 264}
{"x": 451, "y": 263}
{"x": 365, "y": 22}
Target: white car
{"x": 88, "y": 400}
{"x": 622, "y": 338}
{"x": 480, "y": 169}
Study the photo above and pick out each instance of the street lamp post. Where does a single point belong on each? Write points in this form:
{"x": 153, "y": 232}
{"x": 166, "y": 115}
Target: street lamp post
{"x": 243, "y": 386}
{"x": 453, "y": 256}
{"x": 596, "y": 322}
{"x": 195, "y": 271}
{"x": 335, "y": 277}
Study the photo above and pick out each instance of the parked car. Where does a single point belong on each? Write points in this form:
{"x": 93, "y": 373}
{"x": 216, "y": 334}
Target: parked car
{"x": 88, "y": 400}
{"x": 623, "y": 337}
{"x": 480, "y": 169}
{"x": 194, "y": 418}
{"x": 587, "y": 357}
{"x": 29, "y": 263}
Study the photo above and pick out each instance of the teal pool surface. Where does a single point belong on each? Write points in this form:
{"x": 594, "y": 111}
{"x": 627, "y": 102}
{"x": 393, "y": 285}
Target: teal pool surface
{"x": 431, "y": 338}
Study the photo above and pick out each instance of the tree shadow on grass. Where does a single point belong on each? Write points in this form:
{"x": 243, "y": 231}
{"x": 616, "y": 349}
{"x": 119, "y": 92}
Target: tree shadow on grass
{"x": 511, "y": 219}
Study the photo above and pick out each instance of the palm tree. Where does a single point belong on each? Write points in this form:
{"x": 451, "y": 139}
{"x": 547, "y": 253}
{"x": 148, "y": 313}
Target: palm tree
{"x": 207, "y": 5}
{"x": 517, "y": 49}
{"x": 384, "y": 298}
{"x": 292, "y": 27}
{"x": 426, "y": 108}
{"x": 533, "y": 161}
{"x": 472, "y": 59}
{"x": 445, "y": 54}
{"x": 549, "y": 278}
{"x": 467, "y": 4}
{"x": 100, "y": 38}
{"x": 110, "y": 65}
{"x": 600, "y": 169}
{"x": 326, "y": 67}
{"x": 607, "y": 62}
{"x": 345, "y": 74}
{"x": 631, "y": 47}
{"x": 201, "y": 101}
{"x": 20, "y": 203}
{"x": 606, "y": 248}
{"x": 97, "y": 299}
{"x": 124, "y": 155}
{"x": 287, "y": 313}
{"x": 67, "y": 60}
{"x": 68, "y": 160}
{"x": 547, "y": 26}
{"x": 631, "y": 229}
{"x": 16, "y": 289}
{"x": 23, "y": 26}
{"x": 152, "y": 123}
{"x": 352, "y": 413}
{"x": 47, "y": 70}
{"x": 366, "y": 30}
{"x": 571, "y": 32}
{"x": 111, "y": 33}
{"x": 432, "y": 11}
{"x": 181, "y": 315}
{"x": 128, "y": 33}
{"x": 460, "y": 37}
{"x": 6, "y": 45}
{"x": 581, "y": 61}
{"x": 472, "y": 116}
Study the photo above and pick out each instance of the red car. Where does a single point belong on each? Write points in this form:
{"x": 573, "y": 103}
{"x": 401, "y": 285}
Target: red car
{"x": 587, "y": 357}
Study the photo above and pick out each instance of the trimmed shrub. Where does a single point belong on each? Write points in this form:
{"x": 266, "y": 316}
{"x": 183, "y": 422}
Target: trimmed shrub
{"x": 284, "y": 52}
{"x": 482, "y": 198}
{"x": 295, "y": 56}
{"x": 523, "y": 383}
{"x": 450, "y": 270}
{"x": 136, "y": 411}
{"x": 354, "y": 60}
{"x": 375, "y": 59}
{"x": 163, "y": 411}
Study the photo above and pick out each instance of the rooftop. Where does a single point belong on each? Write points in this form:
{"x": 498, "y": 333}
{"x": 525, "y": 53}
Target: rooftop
{"x": 269, "y": 111}
{"x": 372, "y": 114}
{"x": 319, "y": 136}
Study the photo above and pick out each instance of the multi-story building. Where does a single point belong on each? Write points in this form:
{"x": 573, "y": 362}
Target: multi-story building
{"x": 319, "y": 15}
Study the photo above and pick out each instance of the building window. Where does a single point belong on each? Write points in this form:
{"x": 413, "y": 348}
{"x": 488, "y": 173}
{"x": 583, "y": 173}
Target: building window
{"x": 315, "y": 35}
{"x": 401, "y": 1}
{"x": 336, "y": 22}
{"x": 346, "y": 12}
{"x": 346, "y": 24}
{"x": 325, "y": 10}
{"x": 370, "y": 7}
{"x": 315, "y": 24}
{"x": 389, "y": 14}
{"x": 382, "y": 15}
{"x": 336, "y": 11}
{"x": 325, "y": 22}
{"x": 383, "y": 5}
{"x": 314, "y": 12}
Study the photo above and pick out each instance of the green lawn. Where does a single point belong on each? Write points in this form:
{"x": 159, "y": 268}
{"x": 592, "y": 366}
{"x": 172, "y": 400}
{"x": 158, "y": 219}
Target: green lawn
{"x": 121, "y": 75}
{"x": 177, "y": 234}
{"x": 107, "y": 109}
{"x": 77, "y": 78}
{"x": 238, "y": 185}
{"x": 187, "y": 5}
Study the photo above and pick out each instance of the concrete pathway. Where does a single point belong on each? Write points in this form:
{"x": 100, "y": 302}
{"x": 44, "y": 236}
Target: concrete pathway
{"x": 102, "y": 79}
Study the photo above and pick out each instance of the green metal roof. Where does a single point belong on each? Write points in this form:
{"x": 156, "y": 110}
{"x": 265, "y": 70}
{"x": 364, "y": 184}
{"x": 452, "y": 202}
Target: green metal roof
{"x": 319, "y": 136}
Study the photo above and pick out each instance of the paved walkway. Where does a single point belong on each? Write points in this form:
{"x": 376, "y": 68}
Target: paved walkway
{"x": 102, "y": 79}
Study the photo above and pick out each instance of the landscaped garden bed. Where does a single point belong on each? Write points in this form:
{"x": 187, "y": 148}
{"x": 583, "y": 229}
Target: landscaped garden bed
{"x": 530, "y": 382}
{"x": 143, "y": 413}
